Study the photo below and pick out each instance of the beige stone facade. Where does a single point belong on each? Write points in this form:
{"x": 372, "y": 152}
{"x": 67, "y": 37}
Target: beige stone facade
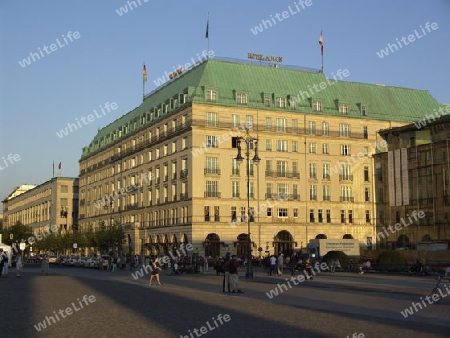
{"x": 180, "y": 182}
{"x": 54, "y": 202}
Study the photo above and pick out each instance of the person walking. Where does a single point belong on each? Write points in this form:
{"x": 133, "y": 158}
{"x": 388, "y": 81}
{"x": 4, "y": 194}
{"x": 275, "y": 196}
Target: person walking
{"x": 234, "y": 275}
{"x": 273, "y": 264}
{"x": 19, "y": 265}
{"x": 308, "y": 269}
{"x": 2, "y": 263}
{"x": 114, "y": 264}
{"x": 280, "y": 264}
{"x": 226, "y": 275}
{"x": 5, "y": 261}
{"x": 155, "y": 272}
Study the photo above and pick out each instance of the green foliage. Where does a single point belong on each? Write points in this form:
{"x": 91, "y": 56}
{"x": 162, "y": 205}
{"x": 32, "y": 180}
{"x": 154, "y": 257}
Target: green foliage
{"x": 333, "y": 255}
{"x": 391, "y": 258}
{"x": 19, "y": 231}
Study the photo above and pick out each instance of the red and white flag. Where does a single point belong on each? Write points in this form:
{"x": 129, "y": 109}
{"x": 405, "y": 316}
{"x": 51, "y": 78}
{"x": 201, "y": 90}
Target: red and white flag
{"x": 59, "y": 165}
{"x": 321, "y": 43}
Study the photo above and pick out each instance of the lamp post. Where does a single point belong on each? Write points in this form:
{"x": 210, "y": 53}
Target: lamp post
{"x": 249, "y": 141}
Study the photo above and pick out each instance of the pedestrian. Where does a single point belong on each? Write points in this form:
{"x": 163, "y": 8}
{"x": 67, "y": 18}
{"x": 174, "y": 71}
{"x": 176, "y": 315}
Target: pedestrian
{"x": 273, "y": 264}
{"x": 45, "y": 264}
{"x": 19, "y": 265}
{"x": 280, "y": 264}
{"x": 2, "y": 263}
{"x": 5, "y": 262}
{"x": 226, "y": 275}
{"x": 175, "y": 268}
{"x": 119, "y": 263}
{"x": 114, "y": 264}
{"x": 234, "y": 275}
{"x": 155, "y": 272}
{"x": 308, "y": 269}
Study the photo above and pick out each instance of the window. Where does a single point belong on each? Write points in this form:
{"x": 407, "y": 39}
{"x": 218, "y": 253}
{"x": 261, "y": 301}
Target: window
{"x": 235, "y": 189}
{"x": 281, "y": 102}
{"x": 366, "y": 151}
{"x": 282, "y": 212}
{"x": 312, "y": 171}
{"x": 282, "y": 190}
{"x": 249, "y": 122}
{"x": 281, "y": 145}
{"x": 366, "y": 194}
{"x": 343, "y": 109}
{"x": 366, "y": 133}
{"x": 207, "y": 215}
{"x": 267, "y": 101}
{"x": 184, "y": 143}
{"x": 295, "y": 169}
{"x": 311, "y": 216}
{"x": 381, "y": 216}
{"x": 325, "y": 129}
{"x": 269, "y": 145}
{"x": 268, "y": 124}
{"x": 293, "y": 103}
{"x": 317, "y": 105}
{"x": 320, "y": 216}
{"x": 367, "y": 216}
{"x": 64, "y": 189}
{"x": 212, "y": 165}
{"x": 345, "y": 150}
{"x": 366, "y": 174}
{"x": 313, "y": 192}
{"x": 211, "y": 96}
{"x": 63, "y": 202}
{"x": 397, "y": 217}
{"x": 241, "y": 98}
{"x": 243, "y": 215}
{"x": 233, "y": 214}
{"x": 269, "y": 167}
{"x": 174, "y": 147}
{"x": 344, "y": 130}
{"x": 326, "y": 171}
{"x": 328, "y": 216}
{"x": 380, "y": 195}
{"x": 269, "y": 212}
{"x": 212, "y": 120}
{"x": 294, "y": 126}
{"x": 312, "y": 148}
{"x": 364, "y": 110}
{"x": 294, "y": 146}
{"x": 251, "y": 214}
{"x": 325, "y": 149}
{"x": 326, "y": 193}
{"x": 212, "y": 189}
{"x": 282, "y": 168}
{"x": 350, "y": 216}
{"x": 312, "y": 128}
{"x": 343, "y": 216}
{"x": 269, "y": 190}
{"x": 234, "y": 121}
{"x": 212, "y": 141}
{"x": 295, "y": 212}
{"x": 281, "y": 125}
{"x": 346, "y": 194}
{"x": 295, "y": 192}
{"x": 251, "y": 190}
{"x": 346, "y": 172}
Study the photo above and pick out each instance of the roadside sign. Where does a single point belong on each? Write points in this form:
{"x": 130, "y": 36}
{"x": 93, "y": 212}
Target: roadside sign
{"x": 75, "y": 245}
{"x": 22, "y": 246}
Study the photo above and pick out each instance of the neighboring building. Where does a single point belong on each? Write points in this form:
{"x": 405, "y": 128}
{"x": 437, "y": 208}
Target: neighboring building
{"x": 16, "y": 192}
{"x": 316, "y": 141}
{"x": 52, "y": 202}
{"x": 414, "y": 175}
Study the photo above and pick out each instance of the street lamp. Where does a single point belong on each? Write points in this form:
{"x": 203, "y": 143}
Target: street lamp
{"x": 249, "y": 141}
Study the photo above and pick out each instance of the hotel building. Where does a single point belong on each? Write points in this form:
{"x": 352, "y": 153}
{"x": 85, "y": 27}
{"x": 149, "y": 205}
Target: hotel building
{"x": 169, "y": 166}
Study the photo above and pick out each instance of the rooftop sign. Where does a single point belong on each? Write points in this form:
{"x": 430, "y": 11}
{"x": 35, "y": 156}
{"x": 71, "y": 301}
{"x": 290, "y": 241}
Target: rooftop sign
{"x": 262, "y": 57}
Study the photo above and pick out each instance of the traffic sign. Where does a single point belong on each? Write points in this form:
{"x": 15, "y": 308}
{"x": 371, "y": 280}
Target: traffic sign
{"x": 75, "y": 245}
{"x": 22, "y": 246}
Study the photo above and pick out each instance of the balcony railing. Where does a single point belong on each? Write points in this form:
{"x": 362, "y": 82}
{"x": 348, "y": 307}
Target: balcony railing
{"x": 347, "y": 199}
{"x": 183, "y": 173}
{"x": 184, "y": 197}
{"x": 345, "y": 177}
{"x": 212, "y": 194}
{"x": 235, "y": 171}
{"x": 212, "y": 171}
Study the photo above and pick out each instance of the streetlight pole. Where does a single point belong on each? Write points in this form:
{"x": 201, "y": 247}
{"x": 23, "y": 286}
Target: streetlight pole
{"x": 249, "y": 140}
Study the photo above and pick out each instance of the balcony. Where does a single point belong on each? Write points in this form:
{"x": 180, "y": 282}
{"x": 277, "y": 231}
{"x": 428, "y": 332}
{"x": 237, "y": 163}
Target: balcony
{"x": 212, "y": 194}
{"x": 183, "y": 173}
{"x": 345, "y": 177}
{"x": 212, "y": 171}
{"x": 132, "y": 206}
{"x": 347, "y": 199}
{"x": 184, "y": 197}
{"x": 326, "y": 177}
{"x": 235, "y": 172}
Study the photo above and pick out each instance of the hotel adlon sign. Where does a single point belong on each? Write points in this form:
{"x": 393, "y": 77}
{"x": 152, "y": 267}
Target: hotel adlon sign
{"x": 262, "y": 57}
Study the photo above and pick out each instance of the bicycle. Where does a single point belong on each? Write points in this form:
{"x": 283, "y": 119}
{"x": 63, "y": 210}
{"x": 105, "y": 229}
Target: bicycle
{"x": 437, "y": 290}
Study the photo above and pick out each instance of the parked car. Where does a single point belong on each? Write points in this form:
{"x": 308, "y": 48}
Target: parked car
{"x": 90, "y": 262}
{"x": 71, "y": 261}
{"x": 81, "y": 261}
{"x": 61, "y": 260}
{"x": 52, "y": 259}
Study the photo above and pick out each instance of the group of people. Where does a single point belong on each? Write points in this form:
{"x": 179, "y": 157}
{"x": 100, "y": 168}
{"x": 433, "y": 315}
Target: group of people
{"x": 4, "y": 264}
{"x": 230, "y": 266}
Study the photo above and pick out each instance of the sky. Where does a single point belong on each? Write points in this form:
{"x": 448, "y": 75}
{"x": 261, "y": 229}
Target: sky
{"x": 100, "y": 64}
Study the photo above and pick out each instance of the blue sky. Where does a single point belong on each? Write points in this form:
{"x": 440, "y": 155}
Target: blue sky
{"x": 105, "y": 63}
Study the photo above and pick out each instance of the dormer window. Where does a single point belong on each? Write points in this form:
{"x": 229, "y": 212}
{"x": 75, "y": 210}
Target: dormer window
{"x": 267, "y": 101}
{"x": 281, "y": 102}
{"x": 241, "y": 98}
{"x": 343, "y": 109}
{"x": 211, "y": 95}
{"x": 364, "y": 110}
{"x": 317, "y": 105}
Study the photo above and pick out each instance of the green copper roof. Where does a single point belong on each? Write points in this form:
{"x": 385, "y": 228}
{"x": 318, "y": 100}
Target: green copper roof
{"x": 229, "y": 78}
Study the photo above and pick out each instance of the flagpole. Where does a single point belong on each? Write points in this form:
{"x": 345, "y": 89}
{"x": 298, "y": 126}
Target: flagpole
{"x": 53, "y": 172}
{"x": 143, "y": 85}
{"x": 322, "y": 62}
{"x": 207, "y": 35}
